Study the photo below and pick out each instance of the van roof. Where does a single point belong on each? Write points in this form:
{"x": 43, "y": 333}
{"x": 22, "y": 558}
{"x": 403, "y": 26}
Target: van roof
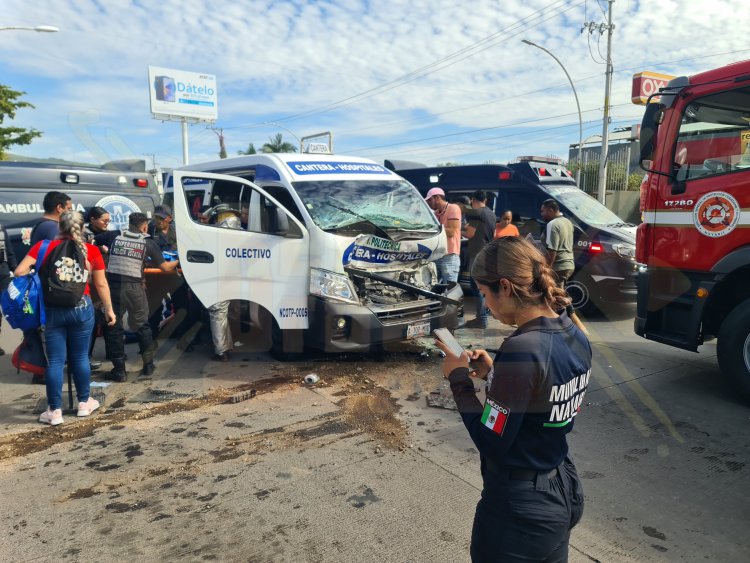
{"x": 60, "y": 177}
{"x": 300, "y": 167}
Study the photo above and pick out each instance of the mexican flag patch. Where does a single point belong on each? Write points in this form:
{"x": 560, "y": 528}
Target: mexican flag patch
{"x": 495, "y": 416}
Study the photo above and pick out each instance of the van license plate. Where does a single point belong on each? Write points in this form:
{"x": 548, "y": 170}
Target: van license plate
{"x": 417, "y": 329}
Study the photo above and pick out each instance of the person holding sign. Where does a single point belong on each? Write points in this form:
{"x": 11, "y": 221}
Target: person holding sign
{"x": 532, "y": 496}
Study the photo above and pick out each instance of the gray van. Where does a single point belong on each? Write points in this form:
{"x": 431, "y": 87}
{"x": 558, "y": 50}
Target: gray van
{"x": 24, "y": 184}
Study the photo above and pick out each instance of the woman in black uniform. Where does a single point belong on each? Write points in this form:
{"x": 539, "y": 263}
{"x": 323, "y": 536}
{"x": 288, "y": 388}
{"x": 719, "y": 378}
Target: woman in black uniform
{"x": 532, "y": 496}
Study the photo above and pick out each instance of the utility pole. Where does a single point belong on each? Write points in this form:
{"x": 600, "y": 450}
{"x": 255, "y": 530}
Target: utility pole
{"x": 222, "y": 147}
{"x": 609, "y": 28}
{"x": 153, "y": 159}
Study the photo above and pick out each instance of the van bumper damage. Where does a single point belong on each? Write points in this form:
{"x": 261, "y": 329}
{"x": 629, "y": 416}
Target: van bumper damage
{"x": 346, "y": 327}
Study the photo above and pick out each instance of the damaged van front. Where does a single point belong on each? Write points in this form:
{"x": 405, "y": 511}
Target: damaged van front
{"x": 336, "y": 253}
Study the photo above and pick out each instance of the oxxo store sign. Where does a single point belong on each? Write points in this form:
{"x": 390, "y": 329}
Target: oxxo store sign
{"x": 647, "y": 83}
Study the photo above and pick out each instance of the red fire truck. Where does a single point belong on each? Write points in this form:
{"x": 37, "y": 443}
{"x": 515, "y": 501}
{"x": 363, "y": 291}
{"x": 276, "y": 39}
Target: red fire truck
{"x": 693, "y": 246}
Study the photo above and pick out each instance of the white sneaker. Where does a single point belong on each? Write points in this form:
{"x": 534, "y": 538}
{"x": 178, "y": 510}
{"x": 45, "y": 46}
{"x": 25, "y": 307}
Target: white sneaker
{"x": 85, "y": 409}
{"x": 51, "y": 417}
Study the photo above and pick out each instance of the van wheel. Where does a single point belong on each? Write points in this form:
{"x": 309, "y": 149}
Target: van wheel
{"x": 286, "y": 345}
{"x": 733, "y": 348}
{"x": 580, "y": 295}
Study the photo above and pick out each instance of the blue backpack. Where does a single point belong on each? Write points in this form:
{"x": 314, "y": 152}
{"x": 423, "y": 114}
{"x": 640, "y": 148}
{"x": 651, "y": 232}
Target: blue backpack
{"x": 22, "y": 301}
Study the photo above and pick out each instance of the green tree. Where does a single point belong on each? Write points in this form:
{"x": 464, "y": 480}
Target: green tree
{"x": 10, "y": 103}
{"x": 634, "y": 181}
{"x": 278, "y": 144}
{"x": 250, "y": 150}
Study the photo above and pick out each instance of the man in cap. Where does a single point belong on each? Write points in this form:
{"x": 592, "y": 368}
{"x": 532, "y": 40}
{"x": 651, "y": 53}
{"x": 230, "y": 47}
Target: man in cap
{"x": 161, "y": 228}
{"x": 449, "y": 215}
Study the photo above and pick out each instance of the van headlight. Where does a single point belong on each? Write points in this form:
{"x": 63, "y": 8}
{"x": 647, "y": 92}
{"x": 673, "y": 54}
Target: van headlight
{"x": 333, "y": 286}
{"x": 624, "y": 249}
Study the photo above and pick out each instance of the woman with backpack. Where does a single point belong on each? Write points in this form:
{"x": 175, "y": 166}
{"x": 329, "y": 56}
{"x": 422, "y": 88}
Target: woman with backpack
{"x": 64, "y": 275}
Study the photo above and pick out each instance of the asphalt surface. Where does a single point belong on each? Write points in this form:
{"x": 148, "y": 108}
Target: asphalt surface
{"x": 360, "y": 467}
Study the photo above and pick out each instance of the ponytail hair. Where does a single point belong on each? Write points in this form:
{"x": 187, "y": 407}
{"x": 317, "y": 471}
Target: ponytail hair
{"x": 515, "y": 259}
{"x": 71, "y": 226}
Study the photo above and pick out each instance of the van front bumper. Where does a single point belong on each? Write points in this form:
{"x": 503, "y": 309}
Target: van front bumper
{"x": 367, "y": 328}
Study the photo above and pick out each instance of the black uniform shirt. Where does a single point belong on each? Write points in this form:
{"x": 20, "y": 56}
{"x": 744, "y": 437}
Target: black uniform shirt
{"x": 541, "y": 372}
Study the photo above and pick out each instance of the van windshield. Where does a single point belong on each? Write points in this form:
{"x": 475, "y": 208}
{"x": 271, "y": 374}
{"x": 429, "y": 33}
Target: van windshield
{"x": 342, "y": 205}
{"x": 585, "y": 207}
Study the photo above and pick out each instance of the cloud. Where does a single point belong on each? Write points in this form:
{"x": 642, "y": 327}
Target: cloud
{"x": 401, "y": 70}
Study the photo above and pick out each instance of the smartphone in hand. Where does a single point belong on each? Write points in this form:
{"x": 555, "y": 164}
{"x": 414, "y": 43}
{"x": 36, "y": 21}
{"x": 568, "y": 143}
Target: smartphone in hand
{"x": 445, "y": 336}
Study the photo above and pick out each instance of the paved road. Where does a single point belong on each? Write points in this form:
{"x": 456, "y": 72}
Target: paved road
{"x": 359, "y": 467}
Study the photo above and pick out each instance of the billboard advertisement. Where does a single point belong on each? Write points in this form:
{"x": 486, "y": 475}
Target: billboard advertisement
{"x": 647, "y": 83}
{"x": 182, "y": 94}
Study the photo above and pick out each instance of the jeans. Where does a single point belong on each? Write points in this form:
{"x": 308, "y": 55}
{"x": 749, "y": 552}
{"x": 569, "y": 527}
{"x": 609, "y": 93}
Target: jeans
{"x": 448, "y": 267}
{"x": 483, "y": 313}
{"x": 68, "y": 332}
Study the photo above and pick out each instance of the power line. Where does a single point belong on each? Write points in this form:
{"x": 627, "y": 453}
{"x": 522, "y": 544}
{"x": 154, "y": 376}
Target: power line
{"x": 440, "y": 64}
{"x": 517, "y": 124}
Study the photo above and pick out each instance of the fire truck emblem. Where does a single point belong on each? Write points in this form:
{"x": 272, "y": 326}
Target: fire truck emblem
{"x": 716, "y": 214}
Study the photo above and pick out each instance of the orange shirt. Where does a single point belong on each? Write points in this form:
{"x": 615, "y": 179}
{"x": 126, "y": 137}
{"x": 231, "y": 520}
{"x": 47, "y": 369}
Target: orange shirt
{"x": 510, "y": 231}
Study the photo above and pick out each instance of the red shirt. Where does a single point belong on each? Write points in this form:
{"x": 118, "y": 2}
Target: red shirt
{"x": 94, "y": 257}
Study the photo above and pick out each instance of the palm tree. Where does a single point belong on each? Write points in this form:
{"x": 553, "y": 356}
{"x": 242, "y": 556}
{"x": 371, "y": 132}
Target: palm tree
{"x": 250, "y": 150}
{"x": 277, "y": 144}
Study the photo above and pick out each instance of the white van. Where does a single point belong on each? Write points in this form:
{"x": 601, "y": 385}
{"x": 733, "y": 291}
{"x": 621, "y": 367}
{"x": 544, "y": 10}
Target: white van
{"x": 336, "y": 253}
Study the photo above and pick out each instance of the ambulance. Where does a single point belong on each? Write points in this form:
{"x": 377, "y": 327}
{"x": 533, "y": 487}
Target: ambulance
{"x": 335, "y": 253}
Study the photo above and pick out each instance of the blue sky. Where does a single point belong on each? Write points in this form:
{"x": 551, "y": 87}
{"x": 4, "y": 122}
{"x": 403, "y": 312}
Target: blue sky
{"x": 430, "y": 81}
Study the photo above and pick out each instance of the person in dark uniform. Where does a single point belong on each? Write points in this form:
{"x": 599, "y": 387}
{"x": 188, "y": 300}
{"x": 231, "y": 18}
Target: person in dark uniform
{"x": 127, "y": 257}
{"x": 8, "y": 263}
{"x": 97, "y": 232}
{"x": 532, "y": 496}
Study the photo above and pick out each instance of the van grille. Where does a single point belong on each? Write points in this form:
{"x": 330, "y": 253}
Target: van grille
{"x": 398, "y": 314}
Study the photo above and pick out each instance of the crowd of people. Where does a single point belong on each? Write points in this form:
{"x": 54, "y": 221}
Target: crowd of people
{"x": 115, "y": 292}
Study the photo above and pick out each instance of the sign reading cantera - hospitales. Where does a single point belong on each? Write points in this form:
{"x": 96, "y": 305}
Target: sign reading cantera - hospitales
{"x": 181, "y": 94}
{"x": 647, "y": 83}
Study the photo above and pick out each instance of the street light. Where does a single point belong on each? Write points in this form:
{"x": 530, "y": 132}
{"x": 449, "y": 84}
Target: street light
{"x": 580, "y": 120}
{"x": 284, "y": 128}
{"x": 42, "y": 28}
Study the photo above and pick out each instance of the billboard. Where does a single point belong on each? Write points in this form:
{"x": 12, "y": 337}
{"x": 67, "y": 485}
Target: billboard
{"x": 647, "y": 83}
{"x": 177, "y": 94}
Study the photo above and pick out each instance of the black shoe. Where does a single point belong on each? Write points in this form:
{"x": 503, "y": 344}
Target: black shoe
{"x": 2, "y": 352}
{"x": 94, "y": 364}
{"x": 116, "y": 374}
{"x": 476, "y": 323}
{"x": 148, "y": 369}
{"x": 223, "y": 357}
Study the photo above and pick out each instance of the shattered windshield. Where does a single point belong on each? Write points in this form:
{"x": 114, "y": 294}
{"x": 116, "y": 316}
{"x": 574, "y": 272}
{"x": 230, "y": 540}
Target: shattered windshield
{"x": 586, "y": 208}
{"x": 387, "y": 205}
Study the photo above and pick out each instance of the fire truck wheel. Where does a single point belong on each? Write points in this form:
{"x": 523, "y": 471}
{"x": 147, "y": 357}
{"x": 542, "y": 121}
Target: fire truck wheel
{"x": 733, "y": 348}
{"x": 580, "y": 294}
